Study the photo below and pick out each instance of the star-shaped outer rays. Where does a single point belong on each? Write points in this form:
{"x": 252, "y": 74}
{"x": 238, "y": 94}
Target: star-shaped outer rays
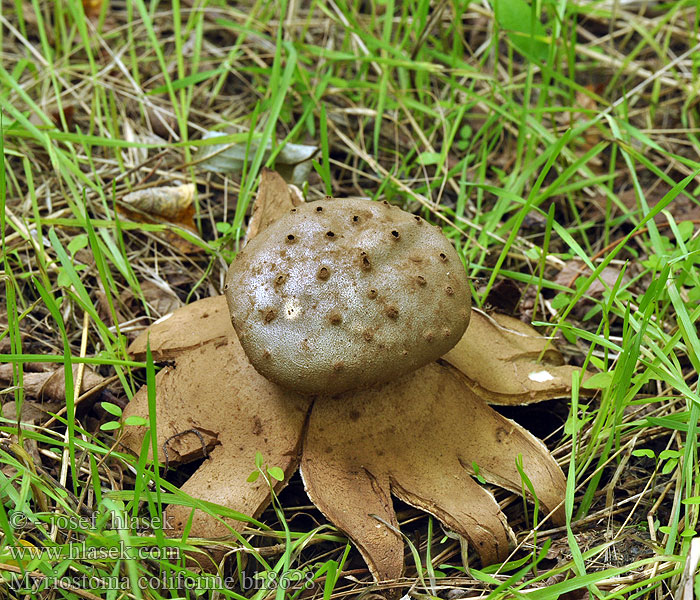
{"x": 213, "y": 398}
{"x": 418, "y": 437}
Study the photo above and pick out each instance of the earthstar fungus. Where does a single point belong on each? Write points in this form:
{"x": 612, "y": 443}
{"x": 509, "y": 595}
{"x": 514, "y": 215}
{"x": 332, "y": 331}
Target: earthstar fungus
{"x": 418, "y": 436}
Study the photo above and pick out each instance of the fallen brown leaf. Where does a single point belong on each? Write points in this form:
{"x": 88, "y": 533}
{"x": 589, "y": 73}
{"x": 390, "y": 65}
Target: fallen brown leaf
{"x": 50, "y": 386}
{"x": 573, "y": 269}
{"x": 58, "y": 114}
{"x": 31, "y": 412}
{"x": 32, "y": 382}
{"x": 172, "y": 204}
{"x": 55, "y": 386}
{"x": 92, "y": 8}
{"x": 159, "y": 297}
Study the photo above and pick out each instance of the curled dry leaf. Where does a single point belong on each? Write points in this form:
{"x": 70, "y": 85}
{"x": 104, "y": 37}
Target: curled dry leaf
{"x": 173, "y": 204}
{"x": 32, "y": 382}
{"x": 161, "y": 120}
{"x": 574, "y": 269}
{"x": 31, "y": 412}
{"x": 44, "y": 395}
{"x": 293, "y": 160}
{"x": 92, "y": 8}
{"x": 49, "y": 387}
{"x": 55, "y": 386}
{"x": 506, "y": 361}
{"x": 59, "y": 114}
{"x": 160, "y": 296}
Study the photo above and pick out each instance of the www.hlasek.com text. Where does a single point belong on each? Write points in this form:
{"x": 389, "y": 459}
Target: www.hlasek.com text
{"x": 82, "y": 551}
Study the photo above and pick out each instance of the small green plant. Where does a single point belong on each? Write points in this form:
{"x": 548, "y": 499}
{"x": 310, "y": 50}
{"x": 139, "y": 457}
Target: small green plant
{"x": 263, "y": 469}
{"x": 666, "y": 461}
{"x": 116, "y": 411}
{"x": 79, "y": 242}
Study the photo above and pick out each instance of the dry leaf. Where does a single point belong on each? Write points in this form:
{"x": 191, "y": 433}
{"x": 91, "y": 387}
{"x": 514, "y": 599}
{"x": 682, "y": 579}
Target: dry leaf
{"x": 162, "y": 122}
{"x": 50, "y": 386}
{"x": 499, "y": 356}
{"x": 573, "y": 269}
{"x": 31, "y": 412}
{"x": 586, "y": 101}
{"x": 92, "y": 8}
{"x": 159, "y": 297}
{"x": 104, "y": 309}
{"x": 172, "y": 204}
{"x": 57, "y": 114}
{"x": 293, "y": 159}
{"x": 32, "y": 382}
{"x": 55, "y": 386}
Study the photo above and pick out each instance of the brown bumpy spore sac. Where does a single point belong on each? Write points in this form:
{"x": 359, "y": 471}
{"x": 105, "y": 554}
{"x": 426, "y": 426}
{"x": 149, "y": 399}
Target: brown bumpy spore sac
{"x": 346, "y": 294}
